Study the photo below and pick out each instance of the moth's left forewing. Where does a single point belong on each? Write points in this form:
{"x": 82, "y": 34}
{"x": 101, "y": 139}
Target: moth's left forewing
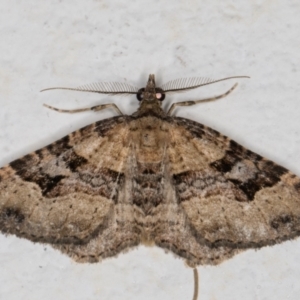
{"x": 65, "y": 193}
{"x": 231, "y": 196}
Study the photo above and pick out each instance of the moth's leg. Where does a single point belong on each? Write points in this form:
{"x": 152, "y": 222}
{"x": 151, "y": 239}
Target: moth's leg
{"x": 94, "y": 108}
{"x": 196, "y": 283}
{"x": 193, "y": 102}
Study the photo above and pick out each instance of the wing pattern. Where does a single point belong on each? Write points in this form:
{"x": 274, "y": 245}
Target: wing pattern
{"x": 66, "y": 193}
{"x": 163, "y": 180}
{"x": 233, "y": 199}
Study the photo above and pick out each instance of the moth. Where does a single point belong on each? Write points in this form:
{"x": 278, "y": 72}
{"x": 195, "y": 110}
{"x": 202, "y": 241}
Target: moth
{"x": 150, "y": 178}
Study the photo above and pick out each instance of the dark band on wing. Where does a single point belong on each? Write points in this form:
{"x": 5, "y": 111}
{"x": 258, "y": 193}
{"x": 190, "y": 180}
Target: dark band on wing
{"x": 196, "y": 129}
{"x": 58, "y": 147}
{"x": 267, "y": 174}
{"x": 234, "y": 154}
{"x": 74, "y": 161}
{"x": 27, "y": 168}
{"x": 198, "y": 184}
{"x": 46, "y": 182}
{"x": 103, "y": 126}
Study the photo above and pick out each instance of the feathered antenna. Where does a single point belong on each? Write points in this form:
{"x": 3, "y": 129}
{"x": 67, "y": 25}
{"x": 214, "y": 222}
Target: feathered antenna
{"x": 184, "y": 84}
{"x": 110, "y": 88}
{"x": 117, "y": 88}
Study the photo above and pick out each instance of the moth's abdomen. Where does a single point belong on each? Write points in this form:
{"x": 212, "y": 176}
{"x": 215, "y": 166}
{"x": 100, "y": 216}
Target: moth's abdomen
{"x": 147, "y": 192}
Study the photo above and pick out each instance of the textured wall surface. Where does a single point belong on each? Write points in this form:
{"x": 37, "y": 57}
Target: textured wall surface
{"x": 69, "y": 43}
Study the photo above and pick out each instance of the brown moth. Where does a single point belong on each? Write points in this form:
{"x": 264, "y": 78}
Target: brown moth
{"x": 150, "y": 178}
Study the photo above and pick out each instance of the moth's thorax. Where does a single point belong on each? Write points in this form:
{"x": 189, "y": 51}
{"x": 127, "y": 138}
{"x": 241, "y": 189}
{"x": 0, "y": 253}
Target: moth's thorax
{"x": 150, "y": 107}
{"x": 150, "y": 137}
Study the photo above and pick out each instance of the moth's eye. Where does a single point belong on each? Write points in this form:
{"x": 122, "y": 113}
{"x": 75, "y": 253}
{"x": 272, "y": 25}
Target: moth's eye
{"x": 160, "y": 95}
{"x": 140, "y": 94}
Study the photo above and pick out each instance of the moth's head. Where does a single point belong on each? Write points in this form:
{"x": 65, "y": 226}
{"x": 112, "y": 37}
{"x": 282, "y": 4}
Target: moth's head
{"x": 151, "y": 93}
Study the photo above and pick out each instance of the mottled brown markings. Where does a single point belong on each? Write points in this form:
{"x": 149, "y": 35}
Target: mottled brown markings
{"x": 297, "y": 186}
{"x": 46, "y": 182}
{"x": 235, "y": 147}
{"x": 56, "y": 241}
{"x": 193, "y": 184}
{"x": 196, "y": 129}
{"x": 40, "y": 154}
{"x": 225, "y": 164}
{"x": 102, "y": 127}
{"x": 204, "y": 254}
{"x": 106, "y": 183}
{"x": 148, "y": 168}
{"x": 233, "y": 154}
{"x": 282, "y": 220}
{"x": 273, "y": 169}
{"x": 73, "y": 160}
{"x": 147, "y": 191}
{"x": 212, "y": 131}
{"x": 252, "y": 156}
{"x": 60, "y": 146}
{"x": 249, "y": 188}
{"x": 148, "y": 172}
{"x": 268, "y": 175}
{"x": 22, "y": 163}
{"x": 167, "y": 244}
{"x": 12, "y": 214}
